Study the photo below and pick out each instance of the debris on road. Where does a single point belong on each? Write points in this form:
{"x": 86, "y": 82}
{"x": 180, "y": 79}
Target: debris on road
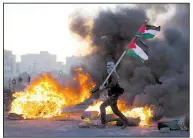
{"x": 165, "y": 130}
{"x": 89, "y": 118}
{"x": 182, "y": 124}
{"x": 84, "y": 125}
{"x": 132, "y": 122}
{"x": 90, "y": 114}
{"x": 13, "y": 116}
{"x": 172, "y": 125}
{"x": 88, "y": 123}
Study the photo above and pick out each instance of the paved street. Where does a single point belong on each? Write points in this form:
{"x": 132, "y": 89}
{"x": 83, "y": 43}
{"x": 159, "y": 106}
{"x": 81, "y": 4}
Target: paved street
{"x": 70, "y": 128}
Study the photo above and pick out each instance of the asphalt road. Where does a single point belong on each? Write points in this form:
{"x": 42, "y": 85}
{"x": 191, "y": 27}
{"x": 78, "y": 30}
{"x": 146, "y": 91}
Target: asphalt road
{"x": 70, "y": 128}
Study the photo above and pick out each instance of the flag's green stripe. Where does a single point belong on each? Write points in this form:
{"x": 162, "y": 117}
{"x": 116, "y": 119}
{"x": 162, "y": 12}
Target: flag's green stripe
{"x": 146, "y": 35}
{"x": 132, "y": 53}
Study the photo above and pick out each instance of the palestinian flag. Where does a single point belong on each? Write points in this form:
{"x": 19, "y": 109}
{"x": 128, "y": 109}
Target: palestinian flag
{"x": 138, "y": 49}
{"x": 148, "y": 31}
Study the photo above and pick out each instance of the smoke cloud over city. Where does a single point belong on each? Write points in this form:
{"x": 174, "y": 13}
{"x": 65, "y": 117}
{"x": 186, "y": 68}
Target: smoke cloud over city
{"x": 163, "y": 80}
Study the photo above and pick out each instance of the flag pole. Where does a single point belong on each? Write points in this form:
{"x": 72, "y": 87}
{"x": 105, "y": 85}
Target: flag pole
{"x": 121, "y": 57}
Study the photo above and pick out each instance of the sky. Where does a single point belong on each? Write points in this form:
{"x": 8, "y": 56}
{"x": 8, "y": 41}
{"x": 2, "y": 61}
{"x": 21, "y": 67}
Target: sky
{"x": 31, "y": 28}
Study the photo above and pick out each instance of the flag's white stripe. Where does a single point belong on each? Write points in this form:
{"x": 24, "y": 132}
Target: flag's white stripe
{"x": 140, "y": 52}
{"x": 153, "y": 32}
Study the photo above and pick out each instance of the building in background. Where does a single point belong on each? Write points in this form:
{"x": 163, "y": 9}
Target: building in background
{"x": 59, "y": 65}
{"x": 18, "y": 68}
{"x": 35, "y": 64}
{"x": 9, "y": 64}
{"x": 72, "y": 62}
{"x": 9, "y": 67}
{"x": 38, "y": 63}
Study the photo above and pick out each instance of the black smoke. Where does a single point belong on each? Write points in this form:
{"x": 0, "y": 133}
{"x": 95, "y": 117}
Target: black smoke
{"x": 163, "y": 80}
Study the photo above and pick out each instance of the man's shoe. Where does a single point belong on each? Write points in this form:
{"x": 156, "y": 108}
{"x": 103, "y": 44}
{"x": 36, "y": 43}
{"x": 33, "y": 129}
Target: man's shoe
{"x": 124, "y": 126}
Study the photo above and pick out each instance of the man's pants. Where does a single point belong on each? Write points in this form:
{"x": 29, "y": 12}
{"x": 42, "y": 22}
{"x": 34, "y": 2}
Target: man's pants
{"x": 111, "y": 101}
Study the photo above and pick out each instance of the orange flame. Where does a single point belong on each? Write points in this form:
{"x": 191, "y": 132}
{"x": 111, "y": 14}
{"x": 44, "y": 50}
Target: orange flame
{"x": 144, "y": 113}
{"x": 45, "y": 98}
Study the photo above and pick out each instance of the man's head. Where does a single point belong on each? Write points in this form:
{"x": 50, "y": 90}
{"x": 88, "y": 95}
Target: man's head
{"x": 110, "y": 66}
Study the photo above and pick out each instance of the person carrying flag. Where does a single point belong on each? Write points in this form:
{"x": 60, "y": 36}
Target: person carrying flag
{"x": 114, "y": 92}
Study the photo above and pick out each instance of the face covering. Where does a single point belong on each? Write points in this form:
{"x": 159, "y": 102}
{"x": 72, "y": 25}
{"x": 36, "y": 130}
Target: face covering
{"x": 110, "y": 66}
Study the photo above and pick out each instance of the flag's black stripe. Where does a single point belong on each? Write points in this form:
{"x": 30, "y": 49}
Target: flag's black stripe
{"x": 153, "y": 27}
{"x": 141, "y": 45}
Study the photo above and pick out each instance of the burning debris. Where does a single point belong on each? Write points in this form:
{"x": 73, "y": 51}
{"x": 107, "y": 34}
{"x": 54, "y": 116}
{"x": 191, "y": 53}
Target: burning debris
{"x": 162, "y": 81}
{"x": 45, "y": 98}
{"x": 144, "y": 114}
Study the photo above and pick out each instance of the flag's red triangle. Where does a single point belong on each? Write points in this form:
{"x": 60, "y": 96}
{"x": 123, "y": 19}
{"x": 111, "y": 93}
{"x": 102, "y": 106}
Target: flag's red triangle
{"x": 142, "y": 29}
{"x": 132, "y": 45}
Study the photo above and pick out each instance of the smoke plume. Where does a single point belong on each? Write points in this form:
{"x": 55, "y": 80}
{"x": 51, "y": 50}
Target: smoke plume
{"x": 163, "y": 80}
